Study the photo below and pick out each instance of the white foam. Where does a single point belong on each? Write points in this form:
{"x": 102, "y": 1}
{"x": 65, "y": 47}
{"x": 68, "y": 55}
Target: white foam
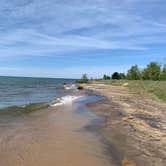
{"x": 70, "y": 86}
{"x": 65, "y": 100}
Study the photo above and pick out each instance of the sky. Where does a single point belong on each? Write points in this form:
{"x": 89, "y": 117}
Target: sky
{"x": 66, "y": 38}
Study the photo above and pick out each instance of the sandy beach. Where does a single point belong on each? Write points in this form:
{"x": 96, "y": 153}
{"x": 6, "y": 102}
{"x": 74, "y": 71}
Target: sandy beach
{"x": 120, "y": 128}
{"x": 82, "y": 83}
{"x": 53, "y": 136}
{"x": 135, "y": 125}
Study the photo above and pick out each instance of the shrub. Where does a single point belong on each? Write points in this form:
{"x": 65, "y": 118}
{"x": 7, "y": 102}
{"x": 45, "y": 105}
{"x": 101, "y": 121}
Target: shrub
{"x": 84, "y": 79}
{"x": 163, "y": 74}
{"x": 152, "y": 72}
{"x": 106, "y": 77}
{"x": 134, "y": 73}
{"x": 116, "y": 76}
{"x": 122, "y": 76}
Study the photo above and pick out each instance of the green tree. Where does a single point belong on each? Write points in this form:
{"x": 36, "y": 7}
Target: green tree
{"x": 116, "y": 76}
{"x": 122, "y": 76}
{"x": 106, "y": 77}
{"x": 84, "y": 79}
{"x": 163, "y": 73}
{"x": 152, "y": 72}
{"x": 134, "y": 73}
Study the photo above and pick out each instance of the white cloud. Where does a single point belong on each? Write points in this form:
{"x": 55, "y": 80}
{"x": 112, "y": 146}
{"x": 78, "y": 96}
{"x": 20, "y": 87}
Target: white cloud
{"x": 32, "y": 27}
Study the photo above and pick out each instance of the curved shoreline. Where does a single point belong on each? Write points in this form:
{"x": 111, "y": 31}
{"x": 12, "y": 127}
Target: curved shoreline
{"x": 134, "y": 125}
{"x": 53, "y": 136}
{"x": 127, "y": 135}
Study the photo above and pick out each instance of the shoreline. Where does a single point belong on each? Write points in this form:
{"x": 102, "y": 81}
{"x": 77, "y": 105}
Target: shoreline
{"x": 23, "y": 109}
{"x": 132, "y": 131}
{"x": 46, "y": 137}
{"x": 135, "y": 126}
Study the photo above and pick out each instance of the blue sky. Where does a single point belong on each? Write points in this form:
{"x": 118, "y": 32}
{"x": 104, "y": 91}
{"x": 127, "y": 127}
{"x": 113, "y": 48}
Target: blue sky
{"x": 62, "y": 38}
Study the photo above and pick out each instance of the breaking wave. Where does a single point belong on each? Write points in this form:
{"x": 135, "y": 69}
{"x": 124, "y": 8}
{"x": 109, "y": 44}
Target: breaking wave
{"x": 65, "y": 100}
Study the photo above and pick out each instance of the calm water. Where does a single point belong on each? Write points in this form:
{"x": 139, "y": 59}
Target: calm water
{"x": 21, "y": 90}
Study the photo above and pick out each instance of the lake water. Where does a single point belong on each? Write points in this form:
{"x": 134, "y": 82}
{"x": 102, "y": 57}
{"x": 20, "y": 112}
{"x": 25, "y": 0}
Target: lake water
{"x": 23, "y": 90}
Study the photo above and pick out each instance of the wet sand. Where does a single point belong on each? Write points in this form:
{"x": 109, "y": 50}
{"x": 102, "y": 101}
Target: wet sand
{"x": 135, "y": 125}
{"x": 55, "y": 137}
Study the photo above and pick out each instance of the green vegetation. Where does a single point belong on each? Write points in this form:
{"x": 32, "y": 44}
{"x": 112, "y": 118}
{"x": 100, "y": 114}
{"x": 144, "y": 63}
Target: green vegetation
{"x": 155, "y": 89}
{"x": 150, "y": 80}
{"x": 122, "y": 76}
{"x": 153, "y": 71}
{"x": 134, "y": 73}
{"x": 106, "y": 77}
{"x": 118, "y": 76}
{"x": 84, "y": 79}
{"x": 163, "y": 74}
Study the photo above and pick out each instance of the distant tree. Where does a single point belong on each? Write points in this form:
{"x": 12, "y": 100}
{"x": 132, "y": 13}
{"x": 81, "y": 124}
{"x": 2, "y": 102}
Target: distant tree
{"x": 116, "y": 76}
{"x": 91, "y": 78}
{"x": 84, "y": 79}
{"x": 163, "y": 73}
{"x": 151, "y": 72}
{"x": 106, "y": 77}
{"x": 122, "y": 76}
{"x": 134, "y": 73}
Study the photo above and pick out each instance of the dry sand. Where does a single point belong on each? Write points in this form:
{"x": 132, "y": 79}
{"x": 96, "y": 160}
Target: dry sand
{"x": 135, "y": 125}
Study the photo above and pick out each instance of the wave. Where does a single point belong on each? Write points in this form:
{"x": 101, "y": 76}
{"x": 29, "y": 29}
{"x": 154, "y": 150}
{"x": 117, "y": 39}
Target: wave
{"x": 70, "y": 87}
{"x": 23, "y": 109}
{"x": 65, "y": 100}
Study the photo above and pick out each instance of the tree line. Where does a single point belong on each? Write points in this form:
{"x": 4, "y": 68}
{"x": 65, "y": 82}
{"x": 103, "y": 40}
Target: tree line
{"x": 153, "y": 71}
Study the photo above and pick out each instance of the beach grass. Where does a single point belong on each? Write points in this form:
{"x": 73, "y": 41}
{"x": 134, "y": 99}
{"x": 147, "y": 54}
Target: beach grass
{"x": 156, "y": 89}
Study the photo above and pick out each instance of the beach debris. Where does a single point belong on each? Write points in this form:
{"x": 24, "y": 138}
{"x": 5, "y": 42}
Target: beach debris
{"x": 126, "y": 84}
{"x": 127, "y": 163}
{"x": 80, "y": 87}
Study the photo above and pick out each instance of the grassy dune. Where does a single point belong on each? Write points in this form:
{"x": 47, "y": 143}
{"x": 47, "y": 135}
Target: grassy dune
{"x": 156, "y": 89}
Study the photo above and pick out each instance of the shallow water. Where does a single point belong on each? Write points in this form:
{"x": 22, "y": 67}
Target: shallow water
{"x": 56, "y": 137}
